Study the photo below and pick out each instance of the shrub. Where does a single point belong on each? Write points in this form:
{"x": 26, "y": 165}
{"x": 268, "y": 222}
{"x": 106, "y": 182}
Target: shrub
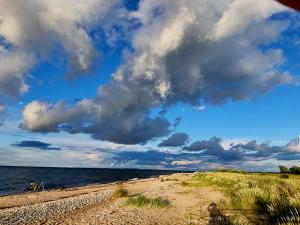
{"x": 227, "y": 170}
{"x": 292, "y": 170}
{"x": 295, "y": 170}
{"x": 184, "y": 183}
{"x": 283, "y": 169}
{"x": 120, "y": 193}
{"x": 141, "y": 200}
{"x": 284, "y": 176}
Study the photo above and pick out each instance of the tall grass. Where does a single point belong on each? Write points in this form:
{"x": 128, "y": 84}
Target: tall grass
{"x": 276, "y": 198}
{"x": 141, "y": 200}
{"x": 119, "y": 193}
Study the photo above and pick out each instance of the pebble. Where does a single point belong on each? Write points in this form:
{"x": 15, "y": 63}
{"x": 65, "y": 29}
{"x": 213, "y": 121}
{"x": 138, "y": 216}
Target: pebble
{"x": 42, "y": 211}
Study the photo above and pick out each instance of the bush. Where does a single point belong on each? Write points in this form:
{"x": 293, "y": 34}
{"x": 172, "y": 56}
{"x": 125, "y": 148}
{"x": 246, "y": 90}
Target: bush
{"x": 284, "y": 176}
{"x": 184, "y": 184}
{"x": 141, "y": 200}
{"x": 119, "y": 193}
{"x": 283, "y": 169}
{"x": 292, "y": 170}
{"x": 226, "y": 170}
{"x": 295, "y": 170}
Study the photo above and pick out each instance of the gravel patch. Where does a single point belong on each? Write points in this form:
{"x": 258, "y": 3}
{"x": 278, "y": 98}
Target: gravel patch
{"x": 42, "y": 211}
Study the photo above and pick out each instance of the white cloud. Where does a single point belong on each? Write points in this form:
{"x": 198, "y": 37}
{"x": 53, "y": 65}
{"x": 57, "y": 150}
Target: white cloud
{"x": 33, "y": 30}
{"x": 228, "y": 143}
{"x": 175, "y": 59}
{"x": 13, "y": 71}
{"x": 64, "y": 158}
{"x": 185, "y": 162}
{"x": 294, "y": 145}
{"x": 240, "y": 14}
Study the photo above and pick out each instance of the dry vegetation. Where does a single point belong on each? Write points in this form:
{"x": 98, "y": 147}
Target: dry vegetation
{"x": 261, "y": 198}
{"x": 119, "y": 193}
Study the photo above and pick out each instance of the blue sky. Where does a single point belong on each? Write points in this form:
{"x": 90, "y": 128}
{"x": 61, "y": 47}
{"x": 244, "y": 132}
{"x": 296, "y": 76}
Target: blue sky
{"x": 105, "y": 91}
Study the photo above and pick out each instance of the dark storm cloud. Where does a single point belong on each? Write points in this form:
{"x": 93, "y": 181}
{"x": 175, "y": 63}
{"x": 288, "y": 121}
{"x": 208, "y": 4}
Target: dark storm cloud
{"x": 35, "y": 144}
{"x": 176, "y": 140}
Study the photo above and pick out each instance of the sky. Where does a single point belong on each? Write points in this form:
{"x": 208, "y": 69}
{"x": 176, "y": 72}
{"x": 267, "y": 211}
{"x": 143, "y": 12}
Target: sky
{"x": 165, "y": 84}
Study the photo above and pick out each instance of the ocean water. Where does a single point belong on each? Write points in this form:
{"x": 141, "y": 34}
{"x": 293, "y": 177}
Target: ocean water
{"x": 17, "y": 179}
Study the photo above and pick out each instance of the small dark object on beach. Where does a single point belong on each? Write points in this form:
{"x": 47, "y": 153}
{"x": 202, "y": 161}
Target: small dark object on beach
{"x": 213, "y": 210}
{"x": 62, "y": 187}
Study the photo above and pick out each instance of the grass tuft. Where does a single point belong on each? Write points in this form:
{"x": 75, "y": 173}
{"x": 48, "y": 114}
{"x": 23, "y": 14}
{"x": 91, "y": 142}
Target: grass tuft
{"x": 284, "y": 176}
{"x": 184, "y": 184}
{"x": 141, "y": 200}
{"x": 119, "y": 193}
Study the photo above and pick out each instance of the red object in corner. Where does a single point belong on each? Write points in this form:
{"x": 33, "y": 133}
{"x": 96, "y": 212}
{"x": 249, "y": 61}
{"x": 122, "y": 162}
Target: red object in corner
{"x": 295, "y": 4}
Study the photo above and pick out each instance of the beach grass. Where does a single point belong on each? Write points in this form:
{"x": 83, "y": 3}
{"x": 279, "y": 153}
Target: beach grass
{"x": 184, "y": 184}
{"x": 119, "y": 193}
{"x": 141, "y": 200}
{"x": 269, "y": 195}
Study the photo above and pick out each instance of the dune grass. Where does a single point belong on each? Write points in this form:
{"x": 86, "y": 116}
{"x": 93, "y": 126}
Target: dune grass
{"x": 119, "y": 193}
{"x": 266, "y": 194}
{"x": 184, "y": 184}
{"x": 141, "y": 200}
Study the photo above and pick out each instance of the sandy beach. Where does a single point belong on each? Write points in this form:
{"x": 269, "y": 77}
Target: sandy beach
{"x": 93, "y": 204}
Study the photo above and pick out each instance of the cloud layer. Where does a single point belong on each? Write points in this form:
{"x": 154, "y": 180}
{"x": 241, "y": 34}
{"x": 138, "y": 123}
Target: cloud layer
{"x": 210, "y": 154}
{"x": 213, "y": 147}
{"x": 193, "y": 52}
{"x": 199, "y": 155}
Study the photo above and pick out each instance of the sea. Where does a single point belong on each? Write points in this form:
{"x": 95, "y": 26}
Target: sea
{"x": 17, "y": 179}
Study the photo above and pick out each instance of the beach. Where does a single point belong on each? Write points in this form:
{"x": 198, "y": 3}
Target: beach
{"x": 94, "y": 204}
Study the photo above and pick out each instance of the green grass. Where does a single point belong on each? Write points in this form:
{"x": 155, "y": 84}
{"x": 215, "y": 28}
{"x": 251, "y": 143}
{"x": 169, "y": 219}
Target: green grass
{"x": 266, "y": 194}
{"x": 284, "y": 176}
{"x": 227, "y": 170}
{"x": 171, "y": 179}
{"x": 119, "y": 193}
{"x": 141, "y": 200}
{"x": 184, "y": 184}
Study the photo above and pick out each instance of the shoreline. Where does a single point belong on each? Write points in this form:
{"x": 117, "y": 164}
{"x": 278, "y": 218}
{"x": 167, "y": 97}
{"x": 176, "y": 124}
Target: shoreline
{"x": 57, "y": 193}
{"x": 93, "y": 203}
{"x": 16, "y": 180}
{"x": 76, "y": 187}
